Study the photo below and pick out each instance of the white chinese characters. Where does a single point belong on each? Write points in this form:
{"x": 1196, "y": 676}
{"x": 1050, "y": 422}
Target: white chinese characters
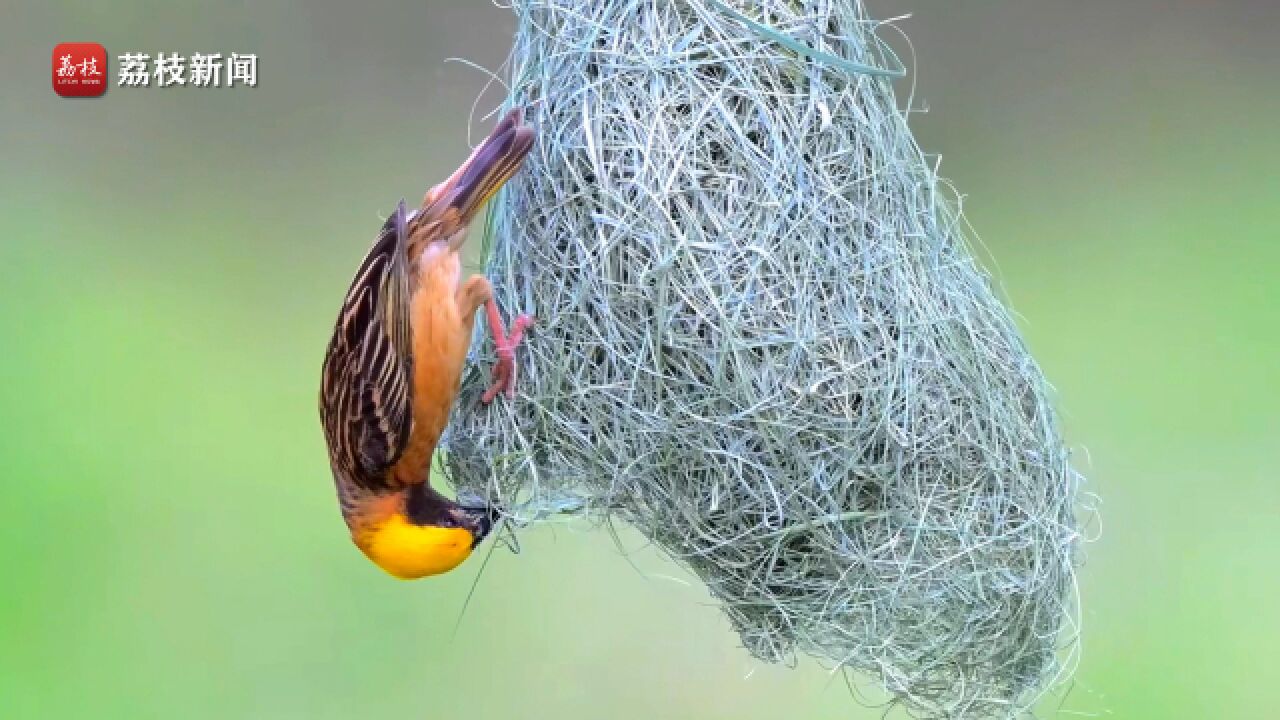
{"x": 243, "y": 68}
{"x": 133, "y": 70}
{"x": 171, "y": 69}
{"x": 87, "y": 67}
{"x": 201, "y": 70}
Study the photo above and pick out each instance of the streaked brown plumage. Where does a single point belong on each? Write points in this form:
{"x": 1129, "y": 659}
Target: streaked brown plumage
{"x": 393, "y": 366}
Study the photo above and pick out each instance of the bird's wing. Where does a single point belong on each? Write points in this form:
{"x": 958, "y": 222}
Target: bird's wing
{"x": 366, "y": 397}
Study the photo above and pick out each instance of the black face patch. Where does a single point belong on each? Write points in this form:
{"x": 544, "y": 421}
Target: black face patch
{"x": 424, "y": 506}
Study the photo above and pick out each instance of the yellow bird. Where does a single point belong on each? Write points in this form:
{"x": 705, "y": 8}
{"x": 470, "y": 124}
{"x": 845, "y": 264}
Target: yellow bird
{"x": 393, "y": 366}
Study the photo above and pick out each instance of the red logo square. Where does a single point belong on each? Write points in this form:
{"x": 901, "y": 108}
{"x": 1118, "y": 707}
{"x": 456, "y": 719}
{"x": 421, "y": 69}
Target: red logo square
{"x": 79, "y": 69}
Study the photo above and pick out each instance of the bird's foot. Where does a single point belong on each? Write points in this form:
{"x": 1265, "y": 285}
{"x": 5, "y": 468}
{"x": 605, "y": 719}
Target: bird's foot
{"x": 504, "y": 371}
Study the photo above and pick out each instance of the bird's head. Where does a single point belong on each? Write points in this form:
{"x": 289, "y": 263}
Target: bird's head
{"x": 418, "y": 532}
{"x": 490, "y": 166}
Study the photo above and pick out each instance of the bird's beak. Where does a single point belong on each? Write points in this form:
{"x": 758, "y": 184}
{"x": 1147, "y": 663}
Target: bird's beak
{"x": 490, "y": 166}
{"x": 479, "y": 520}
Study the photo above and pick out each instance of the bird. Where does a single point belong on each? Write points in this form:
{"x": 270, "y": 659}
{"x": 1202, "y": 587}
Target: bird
{"x": 394, "y": 364}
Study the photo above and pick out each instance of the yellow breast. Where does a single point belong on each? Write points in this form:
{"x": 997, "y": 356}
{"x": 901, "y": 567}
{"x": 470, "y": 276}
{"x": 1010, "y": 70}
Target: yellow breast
{"x": 409, "y": 551}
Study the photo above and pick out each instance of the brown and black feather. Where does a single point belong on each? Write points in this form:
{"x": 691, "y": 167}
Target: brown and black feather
{"x": 366, "y": 403}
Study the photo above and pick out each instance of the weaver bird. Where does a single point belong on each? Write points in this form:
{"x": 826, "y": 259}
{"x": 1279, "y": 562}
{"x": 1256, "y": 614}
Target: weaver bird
{"x": 393, "y": 366}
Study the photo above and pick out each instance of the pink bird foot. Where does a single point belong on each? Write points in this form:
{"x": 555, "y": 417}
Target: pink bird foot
{"x": 504, "y": 371}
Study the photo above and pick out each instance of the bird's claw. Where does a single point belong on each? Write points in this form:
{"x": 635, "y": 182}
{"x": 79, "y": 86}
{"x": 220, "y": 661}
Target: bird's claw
{"x": 503, "y": 375}
{"x": 518, "y": 326}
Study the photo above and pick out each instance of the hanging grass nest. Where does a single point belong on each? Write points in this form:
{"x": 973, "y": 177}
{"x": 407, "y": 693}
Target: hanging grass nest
{"x": 761, "y": 340}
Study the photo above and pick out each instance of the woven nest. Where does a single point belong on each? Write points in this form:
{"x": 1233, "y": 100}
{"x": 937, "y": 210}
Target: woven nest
{"x": 763, "y": 342}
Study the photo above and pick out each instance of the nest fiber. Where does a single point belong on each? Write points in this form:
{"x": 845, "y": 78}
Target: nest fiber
{"x": 762, "y": 340}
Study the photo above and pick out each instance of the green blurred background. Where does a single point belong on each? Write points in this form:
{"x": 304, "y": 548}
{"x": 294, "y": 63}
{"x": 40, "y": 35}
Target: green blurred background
{"x": 172, "y": 260}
